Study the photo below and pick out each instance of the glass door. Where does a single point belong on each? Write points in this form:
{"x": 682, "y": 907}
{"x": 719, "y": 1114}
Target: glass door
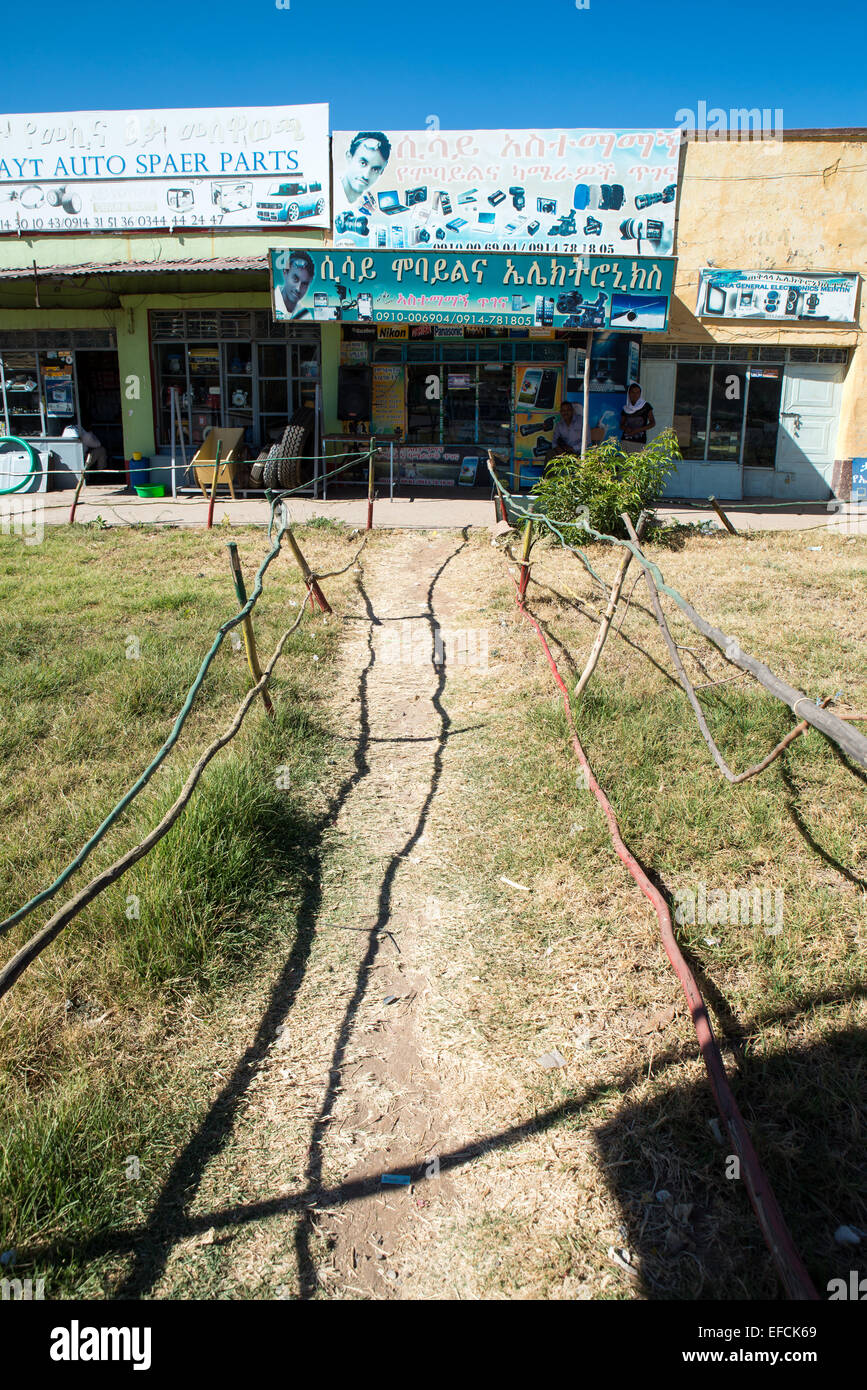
{"x": 205, "y": 389}
{"x": 238, "y": 375}
{"x": 275, "y": 392}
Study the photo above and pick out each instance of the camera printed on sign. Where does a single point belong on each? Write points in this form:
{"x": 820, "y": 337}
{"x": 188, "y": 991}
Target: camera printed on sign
{"x": 218, "y": 167}
{"x": 586, "y": 191}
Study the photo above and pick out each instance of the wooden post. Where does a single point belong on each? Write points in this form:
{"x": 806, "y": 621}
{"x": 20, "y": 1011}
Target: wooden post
{"x": 605, "y": 627}
{"x": 585, "y": 423}
{"x": 78, "y": 486}
{"x": 214, "y": 486}
{"x": 370, "y": 487}
{"x": 525, "y": 561}
{"x": 722, "y": 516}
{"x": 315, "y": 591}
{"x": 249, "y": 639}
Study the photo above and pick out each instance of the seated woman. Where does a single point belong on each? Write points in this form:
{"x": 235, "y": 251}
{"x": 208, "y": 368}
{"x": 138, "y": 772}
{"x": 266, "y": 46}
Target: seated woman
{"x": 636, "y": 418}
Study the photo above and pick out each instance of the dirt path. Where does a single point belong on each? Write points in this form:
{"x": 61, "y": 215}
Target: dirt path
{"x": 404, "y": 1035}
{"x": 349, "y": 1090}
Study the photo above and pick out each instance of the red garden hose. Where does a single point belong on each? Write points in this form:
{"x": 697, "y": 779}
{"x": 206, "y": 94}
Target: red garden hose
{"x": 789, "y": 1263}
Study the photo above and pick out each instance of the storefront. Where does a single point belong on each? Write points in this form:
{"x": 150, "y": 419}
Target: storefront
{"x": 468, "y": 273}
{"x": 446, "y": 356}
{"x": 230, "y": 367}
{"x": 752, "y": 419}
{"x": 50, "y": 379}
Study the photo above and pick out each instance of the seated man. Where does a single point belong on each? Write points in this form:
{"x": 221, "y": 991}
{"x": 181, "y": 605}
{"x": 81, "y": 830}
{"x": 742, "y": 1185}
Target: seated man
{"x": 95, "y": 453}
{"x": 567, "y": 432}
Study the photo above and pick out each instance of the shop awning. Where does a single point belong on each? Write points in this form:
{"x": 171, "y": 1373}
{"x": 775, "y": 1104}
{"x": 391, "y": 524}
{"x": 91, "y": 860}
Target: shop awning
{"x": 197, "y": 265}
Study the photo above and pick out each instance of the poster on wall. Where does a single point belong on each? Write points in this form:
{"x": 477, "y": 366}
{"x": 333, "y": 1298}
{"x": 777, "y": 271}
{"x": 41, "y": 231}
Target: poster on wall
{"x": 770, "y": 294}
{"x": 538, "y": 391}
{"x": 585, "y": 191}
{"x": 245, "y": 166}
{"x": 512, "y": 291}
{"x": 387, "y": 399}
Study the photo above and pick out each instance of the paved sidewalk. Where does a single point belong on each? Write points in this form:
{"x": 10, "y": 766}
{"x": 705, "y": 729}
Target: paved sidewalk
{"x": 118, "y": 507}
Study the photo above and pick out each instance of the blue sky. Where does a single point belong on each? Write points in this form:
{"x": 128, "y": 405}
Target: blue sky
{"x": 471, "y": 63}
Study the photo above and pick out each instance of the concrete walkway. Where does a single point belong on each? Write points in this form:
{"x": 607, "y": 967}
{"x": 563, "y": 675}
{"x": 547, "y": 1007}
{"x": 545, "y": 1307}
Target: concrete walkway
{"x": 119, "y": 507}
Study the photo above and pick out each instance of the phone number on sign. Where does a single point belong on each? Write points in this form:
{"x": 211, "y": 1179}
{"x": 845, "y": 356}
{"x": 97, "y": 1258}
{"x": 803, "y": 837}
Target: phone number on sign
{"x": 490, "y": 320}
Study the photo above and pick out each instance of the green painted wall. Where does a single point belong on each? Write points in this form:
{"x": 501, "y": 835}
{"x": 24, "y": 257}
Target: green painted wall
{"x": 130, "y": 320}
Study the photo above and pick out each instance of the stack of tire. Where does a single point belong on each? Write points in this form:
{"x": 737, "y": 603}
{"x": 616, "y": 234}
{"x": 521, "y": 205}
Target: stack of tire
{"x": 287, "y": 463}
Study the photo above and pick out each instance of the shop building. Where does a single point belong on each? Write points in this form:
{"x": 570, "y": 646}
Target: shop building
{"x": 100, "y": 327}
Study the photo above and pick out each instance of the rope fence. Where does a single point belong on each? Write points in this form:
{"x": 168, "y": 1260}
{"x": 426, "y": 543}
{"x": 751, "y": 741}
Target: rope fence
{"x": 14, "y": 968}
{"x": 790, "y": 1266}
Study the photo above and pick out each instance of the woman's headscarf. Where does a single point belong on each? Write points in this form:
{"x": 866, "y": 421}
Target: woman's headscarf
{"x": 639, "y": 404}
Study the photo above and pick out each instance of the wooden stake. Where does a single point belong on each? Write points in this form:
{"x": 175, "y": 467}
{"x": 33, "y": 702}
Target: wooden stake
{"x": 78, "y": 486}
{"x": 601, "y": 635}
{"x": 722, "y": 516}
{"x": 315, "y": 591}
{"x": 249, "y": 639}
{"x": 370, "y": 489}
{"x": 214, "y": 486}
{"x": 525, "y": 561}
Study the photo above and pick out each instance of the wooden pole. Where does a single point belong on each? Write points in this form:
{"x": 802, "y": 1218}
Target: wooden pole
{"x": 525, "y": 561}
{"x": 78, "y": 486}
{"x": 370, "y": 487}
{"x": 604, "y": 629}
{"x": 249, "y": 639}
{"x": 722, "y": 516}
{"x": 315, "y": 591}
{"x": 585, "y": 423}
{"x": 214, "y": 486}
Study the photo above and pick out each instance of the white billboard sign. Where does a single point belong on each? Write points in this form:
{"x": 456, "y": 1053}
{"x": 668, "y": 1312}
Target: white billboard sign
{"x": 131, "y": 170}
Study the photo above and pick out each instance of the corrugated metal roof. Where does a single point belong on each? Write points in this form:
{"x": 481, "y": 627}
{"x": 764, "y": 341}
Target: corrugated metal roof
{"x": 197, "y": 265}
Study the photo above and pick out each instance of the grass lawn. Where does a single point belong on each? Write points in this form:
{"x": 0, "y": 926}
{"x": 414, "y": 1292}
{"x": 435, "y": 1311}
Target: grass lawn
{"x": 110, "y": 1043}
{"x": 103, "y": 633}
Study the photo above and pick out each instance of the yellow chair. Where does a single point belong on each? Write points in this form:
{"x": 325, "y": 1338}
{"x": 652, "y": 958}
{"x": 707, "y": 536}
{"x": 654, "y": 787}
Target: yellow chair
{"x": 231, "y": 447}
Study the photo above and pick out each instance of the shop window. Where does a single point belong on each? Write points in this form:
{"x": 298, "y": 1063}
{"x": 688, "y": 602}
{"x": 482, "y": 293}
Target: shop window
{"x": 38, "y": 392}
{"x": 495, "y": 403}
{"x": 459, "y": 403}
{"x": 423, "y": 402}
{"x": 763, "y": 420}
{"x": 728, "y": 392}
{"x": 245, "y": 384}
{"x": 690, "y": 408}
{"x": 728, "y": 412}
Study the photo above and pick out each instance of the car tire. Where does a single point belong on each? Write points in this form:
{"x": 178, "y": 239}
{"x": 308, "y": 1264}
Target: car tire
{"x": 286, "y": 463}
{"x": 296, "y": 447}
{"x": 293, "y": 212}
{"x": 319, "y": 206}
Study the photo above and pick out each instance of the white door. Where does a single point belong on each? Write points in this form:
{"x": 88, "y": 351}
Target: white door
{"x": 809, "y": 413}
{"x": 657, "y": 383}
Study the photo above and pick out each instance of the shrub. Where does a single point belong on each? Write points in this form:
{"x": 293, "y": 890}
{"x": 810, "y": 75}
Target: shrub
{"x": 606, "y": 481}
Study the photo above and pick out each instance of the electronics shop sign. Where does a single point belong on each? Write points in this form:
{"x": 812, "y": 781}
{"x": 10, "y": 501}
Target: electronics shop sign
{"x": 127, "y": 170}
{"x": 573, "y": 192}
{"x": 784, "y": 298}
{"x": 499, "y": 289}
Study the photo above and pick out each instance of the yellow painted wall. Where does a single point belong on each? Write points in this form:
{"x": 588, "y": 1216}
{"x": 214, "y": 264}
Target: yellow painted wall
{"x": 777, "y": 205}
